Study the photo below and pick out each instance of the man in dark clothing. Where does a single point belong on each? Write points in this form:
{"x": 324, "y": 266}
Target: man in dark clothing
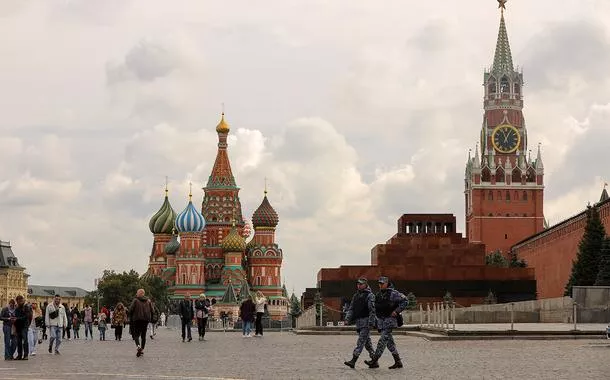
{"x": 44, "y": 325}
{"x": 361, "y": 311}
{"x": 187, "y": 313}
{"x": 23, "y": 317}
{"x": 140, "y": 313}
{"x": 389, "y": 303}
{"x": 7, "y": 316}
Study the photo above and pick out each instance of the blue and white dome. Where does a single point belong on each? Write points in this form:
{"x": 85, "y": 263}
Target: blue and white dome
{"x": 190, "y": 220}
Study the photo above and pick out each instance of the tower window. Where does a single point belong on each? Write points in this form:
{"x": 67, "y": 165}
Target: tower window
{"x": 507, "y": 195}
{"x": 504, "y": 85}
{"x": 499, "y": 195}
{"x": 505, "y": 236}
{"x": 490, "y": 195}
{"x": 524, "y": 195}
{"x": 491, "y": 87}
{"x": 517, "y": 88}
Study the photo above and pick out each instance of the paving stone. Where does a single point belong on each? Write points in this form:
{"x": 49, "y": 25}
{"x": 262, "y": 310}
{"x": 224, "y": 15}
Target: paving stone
{"x": 283, "y": 355}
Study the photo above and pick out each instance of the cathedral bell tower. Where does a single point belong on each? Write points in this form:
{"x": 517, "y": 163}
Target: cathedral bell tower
{"x": 503, "y": 185}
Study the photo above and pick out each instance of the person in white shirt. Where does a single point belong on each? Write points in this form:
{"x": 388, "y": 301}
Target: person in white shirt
{"x": 162, "y": 319}
{"x": 259, "y": 302}
{"x": 56, "y": 321}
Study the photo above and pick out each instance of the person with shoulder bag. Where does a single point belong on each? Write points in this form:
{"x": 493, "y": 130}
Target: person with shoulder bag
{"x": 361, "y": 312}
{"x": 389, "y": 303}
{"x": 56, "y": 321}
{"x": 140, "y": 314}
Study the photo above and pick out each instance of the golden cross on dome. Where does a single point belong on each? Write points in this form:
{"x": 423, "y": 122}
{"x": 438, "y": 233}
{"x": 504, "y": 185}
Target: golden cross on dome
{"x": 502, "y": 4}
{"x": 190, "y": 190}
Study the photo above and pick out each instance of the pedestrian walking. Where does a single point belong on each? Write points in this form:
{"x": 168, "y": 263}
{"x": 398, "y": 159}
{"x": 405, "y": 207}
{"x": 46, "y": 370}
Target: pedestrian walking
{"x": 7, "y": 315}
{"x": 140, "y": 312}
{"x": 101, "y": 325}
{"x": 201, "y": 313}
{"x": 154, "y": 319}
{"x": 187, "y": 314}
{"x": 119, "y": 317}
{"x": 260, "y": 303}
{"x": 88, "y": 319}
{"x": 361, "y": 312}
{"x": 162, "y": 319}
{"x": 76, "y": 325}
{"x": 246, "y": 312}
{"x": 33, "y": 329}
{"x": 23, "y": 317}
{"x": 389, "y": 303}
{"x": 56, "y": 321}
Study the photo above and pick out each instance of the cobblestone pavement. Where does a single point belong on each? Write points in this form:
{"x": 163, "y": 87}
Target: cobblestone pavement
{"x": 288, "y": 356}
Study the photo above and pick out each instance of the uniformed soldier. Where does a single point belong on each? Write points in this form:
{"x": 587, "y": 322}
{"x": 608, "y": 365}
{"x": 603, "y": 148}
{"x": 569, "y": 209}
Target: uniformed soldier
{"x": 388, "y": 304}
{"x": 361, "y": 311}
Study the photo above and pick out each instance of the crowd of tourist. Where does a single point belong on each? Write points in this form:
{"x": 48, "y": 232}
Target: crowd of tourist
{"x": 27, "y": 325}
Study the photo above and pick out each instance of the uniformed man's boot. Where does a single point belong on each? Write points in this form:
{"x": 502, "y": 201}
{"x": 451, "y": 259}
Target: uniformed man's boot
{"x": 373, "y": 362}
{"x": 397, "y": 362}
{"x": 351, "y": 363}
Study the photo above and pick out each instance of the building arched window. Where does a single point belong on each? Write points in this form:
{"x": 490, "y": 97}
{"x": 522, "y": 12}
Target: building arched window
{"x": 490, "y": 195}
{"x": 507, "y": 195}
{"x": 499, "y": 195}
{"x": 524, "y": 195}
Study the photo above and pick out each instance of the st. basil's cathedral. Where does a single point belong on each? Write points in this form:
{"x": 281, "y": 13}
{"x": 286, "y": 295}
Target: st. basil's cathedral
{"x": 206, "y": 252}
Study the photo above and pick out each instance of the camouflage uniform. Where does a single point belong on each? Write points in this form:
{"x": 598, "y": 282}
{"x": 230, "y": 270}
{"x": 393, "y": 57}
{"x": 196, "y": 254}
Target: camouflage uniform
{"x": 361, "y": 312}
{"x": 363, "y": 324}
{"x": 387, "y": 301}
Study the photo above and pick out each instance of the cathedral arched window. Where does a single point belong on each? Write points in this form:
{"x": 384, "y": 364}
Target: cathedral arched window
{"x": 524, "y": 195}
{"x": 490, "y": 195}
{"x": 499, "y": 195}
{"x": 507, "y": 195}
{"x": 504, "y": 85}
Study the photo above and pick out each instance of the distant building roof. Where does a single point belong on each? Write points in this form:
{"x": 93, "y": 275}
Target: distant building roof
{"x": 7, "y": 258}
{"x": 51, "y": 291}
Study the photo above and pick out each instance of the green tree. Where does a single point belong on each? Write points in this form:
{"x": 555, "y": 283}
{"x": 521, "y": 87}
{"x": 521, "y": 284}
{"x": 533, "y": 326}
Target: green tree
{"x": 295, "y": 306}
{"x": 411, "y": 301}
{"x": 496, "y": 259}
{"x": 91, "y": 299}
{"x": 448, "y": 298}
{"x": 586, "y": 266}
{"x": 603, "y": 275}
{"x": 155, "y": 288}
{"x": 118, "y": 287}
{"x": 515, "y": 262}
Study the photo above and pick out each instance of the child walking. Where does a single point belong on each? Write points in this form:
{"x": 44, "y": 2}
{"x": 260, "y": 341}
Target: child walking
{"x": 101, "y": 326}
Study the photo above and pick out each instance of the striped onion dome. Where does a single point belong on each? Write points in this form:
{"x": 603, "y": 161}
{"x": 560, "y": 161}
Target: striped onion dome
{"x": 172, "y": 246}
{"x": 163, "y": 221}
{"x": 233, "y": 242}
{"x": 190, "y": 220}
{"x": 265, "y": 215}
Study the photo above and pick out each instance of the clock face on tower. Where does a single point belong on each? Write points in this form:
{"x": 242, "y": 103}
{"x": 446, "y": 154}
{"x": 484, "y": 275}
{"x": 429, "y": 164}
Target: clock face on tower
{"x": 505, "y": 138}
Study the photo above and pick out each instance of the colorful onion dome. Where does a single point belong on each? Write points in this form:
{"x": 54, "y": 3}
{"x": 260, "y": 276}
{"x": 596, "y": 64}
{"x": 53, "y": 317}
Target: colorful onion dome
{"x": 190, "y": 220}
{"x": 172, "y": 246}
{"x": 163, "y": 221}
{"x": 265, "y": 215}
{"x": 223, "y": 126}
{"x": 149, "y": 275}
{"x": 233, "y": 242}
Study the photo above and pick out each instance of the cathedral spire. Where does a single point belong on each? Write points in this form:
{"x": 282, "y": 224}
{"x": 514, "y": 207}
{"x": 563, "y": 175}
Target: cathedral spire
{"x": 503, "y": 60}
{"x": 222, "y": 176}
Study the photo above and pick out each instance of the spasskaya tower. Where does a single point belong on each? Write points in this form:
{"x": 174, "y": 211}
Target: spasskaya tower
{"x": 503, "y": 185}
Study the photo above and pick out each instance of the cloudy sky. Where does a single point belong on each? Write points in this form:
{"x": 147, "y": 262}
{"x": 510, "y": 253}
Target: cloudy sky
{"x": 356, "y": 112}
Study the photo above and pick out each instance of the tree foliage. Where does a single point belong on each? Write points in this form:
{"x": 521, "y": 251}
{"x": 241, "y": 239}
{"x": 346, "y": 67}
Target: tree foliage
{"x": 603, "y": 275}
{"x": 295, "y": 306}
{"x": 411, "y": 301}
{"x": 496, "y": 259}
{"x": 586, "y": 266}
{"x": 121, "y": 287}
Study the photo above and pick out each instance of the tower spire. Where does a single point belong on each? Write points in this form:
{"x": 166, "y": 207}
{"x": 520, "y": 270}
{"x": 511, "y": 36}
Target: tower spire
{"x": 503, "y": 59}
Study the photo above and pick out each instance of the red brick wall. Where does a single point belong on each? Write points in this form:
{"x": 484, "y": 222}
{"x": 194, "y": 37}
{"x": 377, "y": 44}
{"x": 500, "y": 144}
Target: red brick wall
{"x": 551, "y": 253}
